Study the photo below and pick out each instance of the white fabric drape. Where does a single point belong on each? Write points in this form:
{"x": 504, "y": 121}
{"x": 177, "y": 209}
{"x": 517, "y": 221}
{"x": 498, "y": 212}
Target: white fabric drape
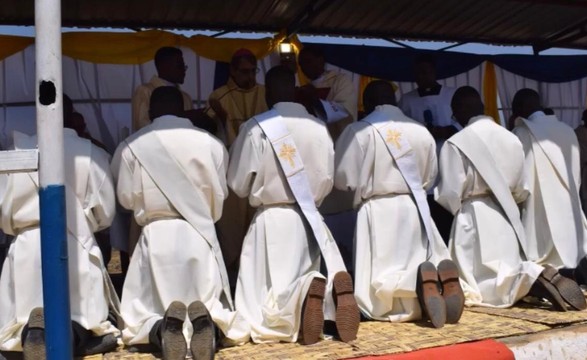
{"x": 473, "y": 77}
{"x": 567, "y": 99}
{"x": 102, "y": 92}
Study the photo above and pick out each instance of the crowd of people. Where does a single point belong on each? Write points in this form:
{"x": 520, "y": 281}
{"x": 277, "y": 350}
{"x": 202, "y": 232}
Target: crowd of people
{"x": 278, "y": 214}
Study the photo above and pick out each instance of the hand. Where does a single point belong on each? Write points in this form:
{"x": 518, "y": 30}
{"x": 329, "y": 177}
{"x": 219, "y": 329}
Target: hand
{"x": 307, "y": 95}
{"x": 218, "y": 109}
{"x": 199, "y": 119}
{"x": 307, "y": 92}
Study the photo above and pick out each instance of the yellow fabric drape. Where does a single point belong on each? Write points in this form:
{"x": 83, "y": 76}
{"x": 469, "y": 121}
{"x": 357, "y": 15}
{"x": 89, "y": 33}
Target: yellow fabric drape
{"x": 117, "y": 48}
{"x": 223, "y": 49}
{"x": 10, "y": 45}
{"x": 140, "y": 47}
{"x": 490, "y": 91}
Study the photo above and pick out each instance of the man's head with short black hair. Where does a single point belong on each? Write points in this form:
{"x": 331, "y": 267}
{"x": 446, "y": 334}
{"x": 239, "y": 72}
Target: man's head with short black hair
{"x": 425, "y": 71}
{"x": 378, "y": 92}
{"x": 170, "y": 65}
{"x": 525, "y": 103}
{"x": 165, "y": 100}
{"x": 280, "y": 85}
{"x": 466, "y": 103}
{"x": 312, "y": 62}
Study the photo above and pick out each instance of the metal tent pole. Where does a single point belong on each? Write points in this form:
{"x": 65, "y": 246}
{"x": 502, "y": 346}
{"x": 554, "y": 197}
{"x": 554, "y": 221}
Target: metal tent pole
{"x": 49, "y": 100}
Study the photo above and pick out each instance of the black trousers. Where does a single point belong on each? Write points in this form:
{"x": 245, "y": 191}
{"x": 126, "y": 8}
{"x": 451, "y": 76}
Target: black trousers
{"x": 3, "y": 253}
{"x": 442, "y": 218}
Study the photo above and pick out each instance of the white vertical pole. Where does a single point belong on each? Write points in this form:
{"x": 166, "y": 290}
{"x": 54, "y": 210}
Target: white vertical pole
{"x": 49, "y": 99}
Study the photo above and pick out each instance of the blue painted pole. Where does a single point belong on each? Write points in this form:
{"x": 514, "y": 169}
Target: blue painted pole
{"x": 54, "y": 256}
{"x": 55, "y": 272}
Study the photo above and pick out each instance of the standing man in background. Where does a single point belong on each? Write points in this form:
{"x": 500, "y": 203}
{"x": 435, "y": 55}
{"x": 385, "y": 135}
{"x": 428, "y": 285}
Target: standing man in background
{"x": 331, "y": 90}
{"x": 430, "y": 105}
{"x": 241, "y": 98}
{"x": 233, "y": 104}
{"x": 171, "y": 71}
{"x": 327, "y": 85}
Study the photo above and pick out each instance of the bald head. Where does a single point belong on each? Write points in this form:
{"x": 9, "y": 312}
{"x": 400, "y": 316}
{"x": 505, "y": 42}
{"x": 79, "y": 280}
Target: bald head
{"x": 280, "y": 85}
{"x": 466, "y": 103}
{"x": 525, "y": 103}
{"x": 378, "y": 92}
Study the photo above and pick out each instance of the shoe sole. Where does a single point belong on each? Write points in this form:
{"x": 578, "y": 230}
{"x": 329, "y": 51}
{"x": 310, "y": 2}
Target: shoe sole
{"x": 313, "y": 313}
{"x": 453, "y": 295}
{"x": 431, "y": 301}
{"x": 552, "y": 294}
{"x": 173, "y": 342}
{"x": 203, "y": 342}
{"x": 34, "y": 344}
{"x": 347, "y": 310}
{"x": 567, "y": 288}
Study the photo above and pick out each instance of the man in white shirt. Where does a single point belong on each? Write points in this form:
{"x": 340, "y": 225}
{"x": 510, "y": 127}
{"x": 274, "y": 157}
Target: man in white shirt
{"x": 332, "y": 97}
{"x": 430, "y": 105}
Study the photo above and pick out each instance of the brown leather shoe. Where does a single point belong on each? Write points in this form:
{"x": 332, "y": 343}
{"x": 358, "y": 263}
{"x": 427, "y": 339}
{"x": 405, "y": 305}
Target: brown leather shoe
{"x": 448, "y": 274}
{"x": 431, "y": 302}
{"x": 347, "y": 310}
{"x": 542, "y": 288}
{"x": 567, "y": 288}
{"x": 313, "y": 313}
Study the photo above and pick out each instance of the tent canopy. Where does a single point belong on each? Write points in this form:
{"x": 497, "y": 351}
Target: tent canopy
{"x": 540, "y": 23}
